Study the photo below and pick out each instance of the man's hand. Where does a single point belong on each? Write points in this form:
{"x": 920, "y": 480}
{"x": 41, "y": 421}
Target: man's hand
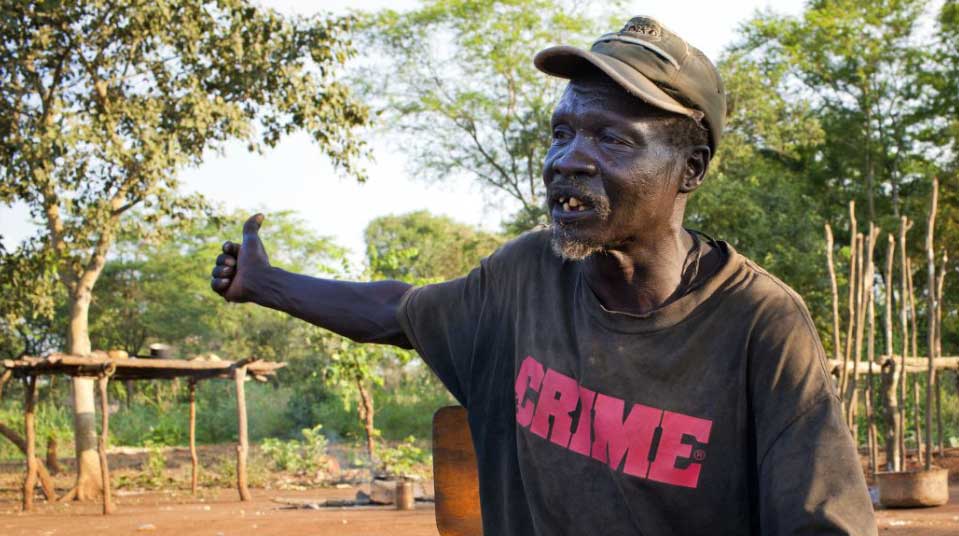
{"x": 239, "y": 267}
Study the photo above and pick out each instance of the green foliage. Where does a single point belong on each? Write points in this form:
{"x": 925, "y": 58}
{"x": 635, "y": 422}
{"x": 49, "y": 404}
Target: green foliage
{"x": 404, "y": 459}
{"x": 52, "y": 420}
{"x": 419, "y": 247}
{"x": 463, "y": 98}
{"x": 304, "y": 457}
{"x": 102, "y": 103}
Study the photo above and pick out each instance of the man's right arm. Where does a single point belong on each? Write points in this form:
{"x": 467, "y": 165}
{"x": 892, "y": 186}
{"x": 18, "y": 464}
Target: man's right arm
{"x": 363, "y": 312}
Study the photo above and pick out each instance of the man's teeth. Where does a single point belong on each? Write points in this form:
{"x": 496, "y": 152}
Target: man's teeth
{"x": 572, "y": 204}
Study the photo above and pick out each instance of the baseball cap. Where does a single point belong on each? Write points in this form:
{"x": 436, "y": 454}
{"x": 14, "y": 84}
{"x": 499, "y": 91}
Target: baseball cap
{"x": 652, "y": 63}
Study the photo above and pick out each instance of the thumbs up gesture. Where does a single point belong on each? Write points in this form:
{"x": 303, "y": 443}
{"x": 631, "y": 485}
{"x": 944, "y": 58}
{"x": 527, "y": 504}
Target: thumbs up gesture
{"x": 240, "y": 266}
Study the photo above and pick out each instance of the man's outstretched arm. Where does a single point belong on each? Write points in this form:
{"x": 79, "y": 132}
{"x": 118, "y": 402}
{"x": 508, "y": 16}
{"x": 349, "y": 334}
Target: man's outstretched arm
{"x": 363, "y": 312}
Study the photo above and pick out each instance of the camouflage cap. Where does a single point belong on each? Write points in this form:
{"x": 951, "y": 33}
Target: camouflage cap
{"x": 652, "y": 63}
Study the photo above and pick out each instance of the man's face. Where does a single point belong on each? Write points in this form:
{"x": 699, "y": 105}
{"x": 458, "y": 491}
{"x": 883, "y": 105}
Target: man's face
{"x": 612, "y": 174}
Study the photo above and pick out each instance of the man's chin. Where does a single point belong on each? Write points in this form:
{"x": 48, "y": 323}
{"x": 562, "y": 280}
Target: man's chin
{"x": 571, "y": 245}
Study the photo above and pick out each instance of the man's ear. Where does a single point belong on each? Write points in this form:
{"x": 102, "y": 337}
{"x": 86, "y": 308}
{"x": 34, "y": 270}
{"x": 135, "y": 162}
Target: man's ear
{"x": 694, "y": 169}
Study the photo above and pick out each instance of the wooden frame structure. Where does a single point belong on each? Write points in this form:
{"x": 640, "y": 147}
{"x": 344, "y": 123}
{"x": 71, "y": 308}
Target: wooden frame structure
{"x": 105, "y": 369}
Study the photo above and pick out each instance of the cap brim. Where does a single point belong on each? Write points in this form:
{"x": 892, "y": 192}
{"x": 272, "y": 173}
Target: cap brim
{"x": 571, "y": 63}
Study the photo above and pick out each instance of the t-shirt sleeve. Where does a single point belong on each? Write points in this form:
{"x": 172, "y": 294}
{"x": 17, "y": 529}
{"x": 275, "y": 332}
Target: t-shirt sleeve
{"x": 442, "y": 321}
{"x": 809, "y": 477}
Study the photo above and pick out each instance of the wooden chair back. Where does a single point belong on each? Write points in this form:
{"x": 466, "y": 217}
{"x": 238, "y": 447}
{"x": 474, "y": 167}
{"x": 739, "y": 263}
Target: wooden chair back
{"x": 455, "y": 477}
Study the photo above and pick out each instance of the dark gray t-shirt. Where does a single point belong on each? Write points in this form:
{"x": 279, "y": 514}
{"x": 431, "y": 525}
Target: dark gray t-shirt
{"x": 712, "y": 415}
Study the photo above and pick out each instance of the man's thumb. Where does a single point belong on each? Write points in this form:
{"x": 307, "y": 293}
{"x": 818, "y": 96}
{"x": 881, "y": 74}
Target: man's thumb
{"x": 252, "y": 226}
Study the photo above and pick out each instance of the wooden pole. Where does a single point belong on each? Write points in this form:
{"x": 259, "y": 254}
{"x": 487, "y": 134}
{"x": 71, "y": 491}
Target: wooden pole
{"x": 102, "y": 444}
{"x": 835, "y": 294}
{"x": 939, "y": 288}
{"x": 870, "y": 298}
{"x": 239, "y": 376}
{"x": 931, "y": 270}
{"x": 46, "y": 481}
{"x": 916, "y": 410}
{"x": 904, "y": 226}
{"x": 853, "y": 382}
{"x": 890, "y": 378}
{"x": 193, "y": 458}
{"x": 30, "y": 482}
{"x": 853, "y": 253}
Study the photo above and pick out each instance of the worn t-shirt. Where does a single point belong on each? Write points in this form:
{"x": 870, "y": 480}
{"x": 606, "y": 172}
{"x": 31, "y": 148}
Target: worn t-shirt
{"x": 711, "y": 415}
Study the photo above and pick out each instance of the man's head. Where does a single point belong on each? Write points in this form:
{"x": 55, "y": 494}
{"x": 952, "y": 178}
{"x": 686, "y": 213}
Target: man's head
{"x": 632, "y": 135}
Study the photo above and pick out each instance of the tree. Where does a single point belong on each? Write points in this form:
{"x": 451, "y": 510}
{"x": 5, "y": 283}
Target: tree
{"x": 419, "y": 247}
{"x": 756, "y": 195}
{"x": 101, "y": 103}
{"x": 463, "y": 97}
{"x": 861, "y": 63}
{"x": 28, "y": 297}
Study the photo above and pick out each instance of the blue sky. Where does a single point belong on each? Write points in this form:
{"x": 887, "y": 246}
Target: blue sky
{"x": 295, "y": 176}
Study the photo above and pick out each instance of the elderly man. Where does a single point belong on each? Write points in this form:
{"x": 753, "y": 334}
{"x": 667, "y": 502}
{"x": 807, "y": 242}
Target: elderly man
{"x": 623, "y": 375}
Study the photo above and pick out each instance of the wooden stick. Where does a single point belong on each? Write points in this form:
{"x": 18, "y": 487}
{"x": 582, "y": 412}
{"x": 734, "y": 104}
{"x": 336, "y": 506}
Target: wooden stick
{"x": 195, "y": 475}
{"x": 851, "y": 315}
{"x": 102, "y": 444}
{"x": 940, "y": 364}
{"x": 890, "y": 374}
{"x": 239, "y": 375}
{"x": 870, "y": 297}
{"x": 917, "y": 412}
{"x": 931, "y": 271}
{"x": 852, "y": 385}
{"x": 46, "y": 481}
{"x": 904, "y": 226}
{"x": 30, "y": 482}
{"x": 835, "y": 294}
{"x": 4, "y": 378}
{"x": 939, "y": 288}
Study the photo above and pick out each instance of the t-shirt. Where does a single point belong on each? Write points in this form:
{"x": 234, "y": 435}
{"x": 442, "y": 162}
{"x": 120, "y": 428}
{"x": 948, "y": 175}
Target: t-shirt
{"x": 713, "y": 414}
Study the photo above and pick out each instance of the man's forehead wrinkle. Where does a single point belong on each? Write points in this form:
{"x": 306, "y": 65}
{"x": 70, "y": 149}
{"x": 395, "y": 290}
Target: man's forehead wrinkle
{"x": 603, "y": 101}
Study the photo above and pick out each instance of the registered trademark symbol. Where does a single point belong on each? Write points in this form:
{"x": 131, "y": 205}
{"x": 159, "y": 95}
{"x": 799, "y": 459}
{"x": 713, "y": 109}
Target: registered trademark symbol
{"x": 699, "y": 455}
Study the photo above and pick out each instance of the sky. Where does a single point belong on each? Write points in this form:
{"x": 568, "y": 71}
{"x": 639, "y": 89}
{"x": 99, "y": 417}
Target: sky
{"x": 296, "y": 176}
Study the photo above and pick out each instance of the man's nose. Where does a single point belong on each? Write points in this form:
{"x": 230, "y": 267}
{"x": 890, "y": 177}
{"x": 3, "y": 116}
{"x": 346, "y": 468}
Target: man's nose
{"x": 577, "y": 159}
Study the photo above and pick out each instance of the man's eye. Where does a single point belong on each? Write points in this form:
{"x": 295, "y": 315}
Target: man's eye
{"x": 613, "y": 140}
{"x": 560, "y": 134}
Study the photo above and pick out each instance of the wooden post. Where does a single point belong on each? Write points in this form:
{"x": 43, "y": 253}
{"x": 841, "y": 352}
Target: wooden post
{"x": 835, "y": 294}
{"x": 939, "y": 286}
{"x": 852, "y": 384}
{"x": 917, "y": 412}
{"x": 193, "y": 458}
{"x": 904, "y": 226}
{"x": 239, "y": 376}
{"x": 870, "y": 300}
{"x": 890, "y": 378}
{"x": 853, "y": 253}
{"x": 102, "y": 444}
{"x": 30, "y": 482}
{"x": 931, "y": 270}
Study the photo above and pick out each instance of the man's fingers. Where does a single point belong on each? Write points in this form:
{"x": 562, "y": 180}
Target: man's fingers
{"x": 223, "y": 271}
{"x": 226, "y": 260}
{"x": 220, "y": 284}
{"x": 231, "y": 248}
{"x": 252, "y": 225}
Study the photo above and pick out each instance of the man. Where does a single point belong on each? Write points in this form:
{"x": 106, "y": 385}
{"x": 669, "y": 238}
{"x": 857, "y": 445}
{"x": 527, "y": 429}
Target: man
{"x": 622, "y": 375}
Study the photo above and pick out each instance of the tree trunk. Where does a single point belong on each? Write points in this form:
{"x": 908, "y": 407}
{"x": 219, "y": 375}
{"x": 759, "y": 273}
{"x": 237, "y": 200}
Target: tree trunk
{"x": 366, "y": 412}
{"x": 89, "y": 483}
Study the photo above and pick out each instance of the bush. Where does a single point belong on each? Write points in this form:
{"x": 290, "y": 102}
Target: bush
{"x": 405, "y": 459}
{"x": 303, "y": 457}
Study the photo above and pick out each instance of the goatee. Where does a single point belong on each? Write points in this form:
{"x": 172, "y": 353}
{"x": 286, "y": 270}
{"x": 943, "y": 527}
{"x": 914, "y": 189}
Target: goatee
{"x": 570, "y": 247}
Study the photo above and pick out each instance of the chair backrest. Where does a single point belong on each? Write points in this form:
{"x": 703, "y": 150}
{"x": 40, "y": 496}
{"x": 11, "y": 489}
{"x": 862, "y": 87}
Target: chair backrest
{"x": 455, "y": 478}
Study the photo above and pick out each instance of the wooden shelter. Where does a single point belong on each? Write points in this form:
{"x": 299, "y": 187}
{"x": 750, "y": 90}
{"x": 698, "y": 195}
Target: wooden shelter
{"x": 105, "y": 369}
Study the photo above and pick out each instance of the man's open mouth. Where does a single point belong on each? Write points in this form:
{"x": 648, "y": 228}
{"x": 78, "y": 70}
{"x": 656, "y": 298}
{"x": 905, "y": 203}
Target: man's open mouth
{"x": 567, "y": 209}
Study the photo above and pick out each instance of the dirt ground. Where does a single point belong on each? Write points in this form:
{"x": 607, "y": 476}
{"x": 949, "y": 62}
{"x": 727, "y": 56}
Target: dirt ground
{"x": 216, "y": 511}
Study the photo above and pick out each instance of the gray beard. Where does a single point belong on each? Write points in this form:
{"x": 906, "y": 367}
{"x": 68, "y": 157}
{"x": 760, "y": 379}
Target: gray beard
{"x": 569, "y": 247}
